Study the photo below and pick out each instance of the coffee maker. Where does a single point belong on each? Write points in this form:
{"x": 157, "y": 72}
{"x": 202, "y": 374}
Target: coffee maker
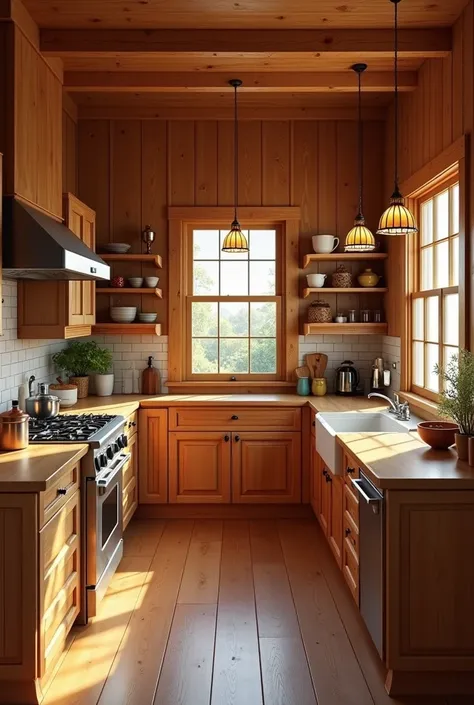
{"x": 380, "y": 377}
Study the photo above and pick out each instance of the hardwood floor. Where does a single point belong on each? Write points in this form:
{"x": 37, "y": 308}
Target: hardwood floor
{"x": 212, "y": 612}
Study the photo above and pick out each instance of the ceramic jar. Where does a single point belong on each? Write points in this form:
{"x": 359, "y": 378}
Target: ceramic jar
{"x": 302, "y": 387}
{"x": 319, "y": 386}
{"x": 319, "y": 312}
{"x": 342, "y": 278}
{"x": 117, "y": 282}
{"x": 368, "y": 278}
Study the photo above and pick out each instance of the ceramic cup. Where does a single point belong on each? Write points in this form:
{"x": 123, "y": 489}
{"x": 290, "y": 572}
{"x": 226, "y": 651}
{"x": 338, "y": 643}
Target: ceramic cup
{"x": 315, "y": 281}
{"x": 323, "y": 244}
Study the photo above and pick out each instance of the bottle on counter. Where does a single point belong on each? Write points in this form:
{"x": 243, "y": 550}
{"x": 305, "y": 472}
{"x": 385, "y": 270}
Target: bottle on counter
{"x": 150, "y": 379}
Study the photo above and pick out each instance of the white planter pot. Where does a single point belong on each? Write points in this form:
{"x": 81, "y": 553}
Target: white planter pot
{"x": 104, "y": 385}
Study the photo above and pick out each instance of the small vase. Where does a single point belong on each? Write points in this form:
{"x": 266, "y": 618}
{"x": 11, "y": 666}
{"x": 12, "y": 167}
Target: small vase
{"x": 319, "y": 386}
{"x": 82, "y": 384}
{"x": 104, "y": 385}
{"x": 302, "y": 387}
{"x": 462, "y": 446}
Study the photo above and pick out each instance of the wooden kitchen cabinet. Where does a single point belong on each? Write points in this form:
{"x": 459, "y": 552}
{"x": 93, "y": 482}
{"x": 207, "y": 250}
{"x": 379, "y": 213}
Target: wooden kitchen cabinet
{"x": 130, "y": 481}
{"x": 199, "y": 467}
{"x": 324, "y": 515}
{"x": 315, "y": 480}
{"x": 266, "y": 467}
{"x": 153, "y": 452}
{"x": 70, "y": 309}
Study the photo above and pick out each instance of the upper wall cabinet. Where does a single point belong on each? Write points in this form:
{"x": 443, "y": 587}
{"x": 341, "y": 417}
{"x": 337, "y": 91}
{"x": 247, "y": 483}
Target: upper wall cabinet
{"x": 61, "y": 309}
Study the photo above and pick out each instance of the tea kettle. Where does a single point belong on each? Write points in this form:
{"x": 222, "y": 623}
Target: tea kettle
{"x": 347, "y": 379}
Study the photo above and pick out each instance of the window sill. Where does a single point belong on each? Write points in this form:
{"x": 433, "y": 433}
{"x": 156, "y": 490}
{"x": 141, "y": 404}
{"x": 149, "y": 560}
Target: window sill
{"x": 423, "y": 407}
{"x": 231, "y": 387}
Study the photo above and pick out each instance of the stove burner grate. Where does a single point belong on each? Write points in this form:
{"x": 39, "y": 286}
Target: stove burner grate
{"x": 68, "y": 428}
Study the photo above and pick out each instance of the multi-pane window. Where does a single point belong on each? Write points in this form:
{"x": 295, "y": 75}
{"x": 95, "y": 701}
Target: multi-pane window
{"x": 234, "y": 306}
{"x": 435, "y": 303}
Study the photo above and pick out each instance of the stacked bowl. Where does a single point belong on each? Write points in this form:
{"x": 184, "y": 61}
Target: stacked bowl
{"x": 123, "y": 314}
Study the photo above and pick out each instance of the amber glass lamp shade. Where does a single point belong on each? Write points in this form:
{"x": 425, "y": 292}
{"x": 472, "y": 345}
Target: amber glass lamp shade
{"x": 235, "y": 240}
{"x": 397, "y": 219}
{"x": 359, "y": 239}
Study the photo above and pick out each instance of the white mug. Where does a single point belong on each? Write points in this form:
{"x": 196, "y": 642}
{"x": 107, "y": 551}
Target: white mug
{"x": 323, "y": 244}
{"x": 315, "y": 281}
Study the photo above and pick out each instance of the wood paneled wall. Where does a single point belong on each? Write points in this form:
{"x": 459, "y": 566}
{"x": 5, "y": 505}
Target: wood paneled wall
{"x": 131, "y": 170}
{"x": 70, "y": 176}
{"x": 440, "y": 111}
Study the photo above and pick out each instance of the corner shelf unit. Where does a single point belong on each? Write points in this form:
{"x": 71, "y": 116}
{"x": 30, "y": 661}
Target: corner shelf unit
{"x": 353, "y": 290}
{"x": 127, "y": 329}
{"x": 130, "y": 290}
{"x": 344, "y": 257}
{"x": 146, "y": 259}
{"x": 346, "y": 328}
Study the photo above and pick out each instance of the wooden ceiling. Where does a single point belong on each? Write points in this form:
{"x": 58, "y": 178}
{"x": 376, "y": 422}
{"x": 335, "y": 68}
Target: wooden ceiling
{"x": 243, "y": 14}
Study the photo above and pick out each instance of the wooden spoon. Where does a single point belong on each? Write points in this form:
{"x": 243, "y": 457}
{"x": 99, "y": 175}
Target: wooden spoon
{"x": 302, "y": 372}
{"x": 311, "y": 361}
{"x": 323, "y": 363}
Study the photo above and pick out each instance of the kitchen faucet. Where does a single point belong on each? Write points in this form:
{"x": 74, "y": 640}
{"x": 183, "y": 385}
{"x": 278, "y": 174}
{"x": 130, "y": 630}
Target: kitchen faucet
{"x": 400, "y": 409}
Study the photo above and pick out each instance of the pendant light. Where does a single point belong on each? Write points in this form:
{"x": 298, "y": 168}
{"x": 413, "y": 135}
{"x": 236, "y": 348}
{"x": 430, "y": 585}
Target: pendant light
{"x": 397, "y": 219}
{"x": 235, "y": 240}
{"x": 360, "y": 239}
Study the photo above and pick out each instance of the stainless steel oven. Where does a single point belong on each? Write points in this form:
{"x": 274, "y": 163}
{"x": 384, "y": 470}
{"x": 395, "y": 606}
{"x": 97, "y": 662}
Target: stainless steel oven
{"x": 104, "y": 534}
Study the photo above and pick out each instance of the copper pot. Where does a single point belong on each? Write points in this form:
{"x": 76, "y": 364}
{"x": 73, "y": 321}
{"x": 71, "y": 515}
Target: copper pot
{"x": 14, "y": 429}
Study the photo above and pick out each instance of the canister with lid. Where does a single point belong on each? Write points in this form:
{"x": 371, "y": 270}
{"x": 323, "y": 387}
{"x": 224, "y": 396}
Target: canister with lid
{"x": 14, "y": 429}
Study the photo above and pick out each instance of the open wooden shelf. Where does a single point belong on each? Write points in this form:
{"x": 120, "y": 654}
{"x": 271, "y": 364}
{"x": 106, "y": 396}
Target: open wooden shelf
{"x": 346, "y": 328}
{"x": 131, "y": 290}
{"x": 127, "y": 329}
{"x": 147, "y": 259}
{"x": 344, "y": 257}
{"x": 353, "y": 290}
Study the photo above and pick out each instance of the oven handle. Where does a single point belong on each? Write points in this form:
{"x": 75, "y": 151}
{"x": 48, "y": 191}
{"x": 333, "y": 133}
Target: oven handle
{"x": 374, "y": 502}
{"x": 109, "y": 477}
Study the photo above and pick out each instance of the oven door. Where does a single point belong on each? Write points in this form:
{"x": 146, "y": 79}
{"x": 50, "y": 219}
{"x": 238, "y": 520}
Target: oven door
{"x": 104, "y": 530}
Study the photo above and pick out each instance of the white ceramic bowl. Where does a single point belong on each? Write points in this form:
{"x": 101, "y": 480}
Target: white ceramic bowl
{"x": 315, "y": 281}
{"x": 151, "y": 282}
{"x": 123, "y": 314}
{"x": 136, "y": 282}
{"x": 147, "y": 317}
{"x": 118, "y": 248}
{"x": 67, "y": 397}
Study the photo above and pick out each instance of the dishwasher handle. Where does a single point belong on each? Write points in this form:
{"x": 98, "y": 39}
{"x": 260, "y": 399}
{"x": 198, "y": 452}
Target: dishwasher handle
{"x": 373, "y": 501}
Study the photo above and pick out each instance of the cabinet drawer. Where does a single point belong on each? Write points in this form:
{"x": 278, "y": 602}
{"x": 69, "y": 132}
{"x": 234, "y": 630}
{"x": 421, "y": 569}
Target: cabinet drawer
{"x": 129, "y": 501}
{"x": 350, "y": 468}
{"x": 131, "y": 425}
{"x": 350, "y": 569}
{"x": 234, "y": 418}
{"x": 351, "y": 504}
{"x": 351, "y": 532}
{"x": 59, "y": 546}
{"x": 58, "y": 494}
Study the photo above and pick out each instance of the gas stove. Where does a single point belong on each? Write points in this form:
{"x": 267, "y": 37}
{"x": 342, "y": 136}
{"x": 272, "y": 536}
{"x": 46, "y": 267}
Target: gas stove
{"x": 94, "y": 429}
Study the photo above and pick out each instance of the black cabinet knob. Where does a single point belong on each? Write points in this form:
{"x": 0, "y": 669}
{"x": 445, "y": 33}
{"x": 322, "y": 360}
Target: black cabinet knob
{"x": 227, "y": 439}
{"x": 234, "y": 418}
{"x": 347, "y": 531}
{"x": 328, "y": 477}
{"x": 314, "y": 423}
{"x": 237, "y": 439}
{"x": 62, "y": 491}
{"x": 325, "y": 472}
{"x": 350, "y": 471}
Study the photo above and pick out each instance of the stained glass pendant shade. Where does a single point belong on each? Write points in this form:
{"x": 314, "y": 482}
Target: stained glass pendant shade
{"x": 397, "y": 219}
{"x": 235, "y": 240}
{"x": 359, "y": 238}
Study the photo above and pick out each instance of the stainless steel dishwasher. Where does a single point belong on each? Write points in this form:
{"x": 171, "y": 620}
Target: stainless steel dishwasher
{"x": 371, "y": 558}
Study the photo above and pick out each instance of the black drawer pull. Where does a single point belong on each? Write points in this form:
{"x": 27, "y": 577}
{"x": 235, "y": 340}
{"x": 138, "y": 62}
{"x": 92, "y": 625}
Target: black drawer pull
{"x": 227, "y": 439}
{"x": 350, "y": 471}
{"x": 62, "y": 490}
{"x": 237, "y": 439}
{"x": 234, "y": 418}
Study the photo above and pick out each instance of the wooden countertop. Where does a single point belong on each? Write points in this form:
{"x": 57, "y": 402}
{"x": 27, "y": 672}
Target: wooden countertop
{"x": 402, "y": 461}
{"x": 35, "y": 468}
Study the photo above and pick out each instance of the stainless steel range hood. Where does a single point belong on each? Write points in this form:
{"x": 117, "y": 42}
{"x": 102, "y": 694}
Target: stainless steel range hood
{"x": 36, "y": 246}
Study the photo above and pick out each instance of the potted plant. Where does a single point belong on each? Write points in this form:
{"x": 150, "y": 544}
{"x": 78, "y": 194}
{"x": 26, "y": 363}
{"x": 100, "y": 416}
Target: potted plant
{"x": 79, "y": 359}
{"x": 104, "y": 378}
{"x": 457, "y": 397}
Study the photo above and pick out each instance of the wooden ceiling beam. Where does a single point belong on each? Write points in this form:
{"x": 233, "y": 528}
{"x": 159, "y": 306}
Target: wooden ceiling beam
{"x": 144, "y": 112}
{"x": 277, "y": 82}
{"x": 412, "y": 42}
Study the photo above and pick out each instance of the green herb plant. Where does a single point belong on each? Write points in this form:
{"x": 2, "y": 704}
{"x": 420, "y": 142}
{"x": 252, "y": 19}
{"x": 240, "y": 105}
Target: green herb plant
{"x": 80, "y": 359}
{"x": 457, "y": 398}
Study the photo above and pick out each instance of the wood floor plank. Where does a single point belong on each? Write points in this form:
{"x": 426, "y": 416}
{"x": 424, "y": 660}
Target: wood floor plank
{"x": 83, "y": 672}
{"x": 200, "y": 584}
{"x": 276, "y": 614}
{"x": 286, "y": 678}
{"x": 142, "y": 537}
{"x": 236, "y": 678}
{"x": 363, "y": 648}
{"x": 136, "y": 668}
{"x": 336, "y": 673}
{"x": 187, "y": 669}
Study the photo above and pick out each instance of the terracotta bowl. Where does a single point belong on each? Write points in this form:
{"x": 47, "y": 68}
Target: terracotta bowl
{"x": 438, "y": 434}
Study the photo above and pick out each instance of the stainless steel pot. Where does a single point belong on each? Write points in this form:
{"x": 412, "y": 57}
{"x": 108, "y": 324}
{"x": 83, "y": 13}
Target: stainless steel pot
{"x": 43, "y": 405}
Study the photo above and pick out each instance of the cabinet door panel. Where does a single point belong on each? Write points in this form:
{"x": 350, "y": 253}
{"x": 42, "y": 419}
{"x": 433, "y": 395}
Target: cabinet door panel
{"x": 81, "y": 220}
{"x": 335, "y": 525}
{"x": 153, "y": 452}
{"x": 199, "y": 468}
{"x": 266, "y": 467}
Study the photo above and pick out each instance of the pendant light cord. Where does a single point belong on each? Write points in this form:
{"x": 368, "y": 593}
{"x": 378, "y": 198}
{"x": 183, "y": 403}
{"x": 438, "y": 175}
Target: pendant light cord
{"x": 395, "y": 64}
{"x": 236, "y": 154}
{"x": 361, "y": 146}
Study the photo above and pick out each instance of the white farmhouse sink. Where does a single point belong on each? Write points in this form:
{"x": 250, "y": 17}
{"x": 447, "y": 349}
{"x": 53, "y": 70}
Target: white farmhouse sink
{"x": 329, "y": 424}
